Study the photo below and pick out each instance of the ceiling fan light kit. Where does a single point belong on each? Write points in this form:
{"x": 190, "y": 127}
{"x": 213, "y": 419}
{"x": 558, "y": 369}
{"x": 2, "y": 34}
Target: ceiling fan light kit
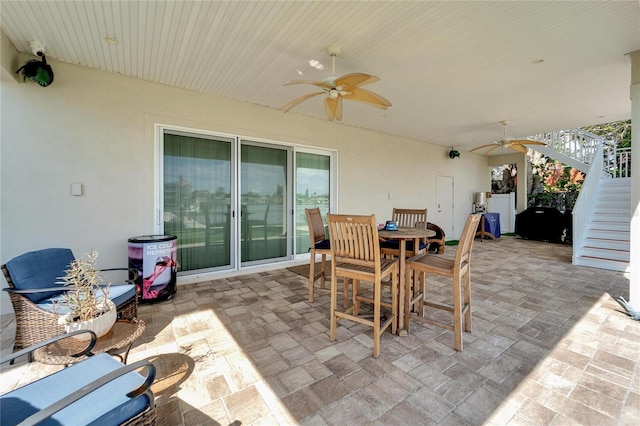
{"x": 337, "y": 88}
{"x": 507, "y": 142}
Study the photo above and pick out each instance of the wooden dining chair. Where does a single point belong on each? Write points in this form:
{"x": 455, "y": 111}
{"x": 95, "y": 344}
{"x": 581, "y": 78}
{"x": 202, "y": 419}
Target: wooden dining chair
{"x": 318, "y": 245}
{"x": 459, "y": 269}
{"x": 355, "y": 256}
{"x": 407, "y": 218}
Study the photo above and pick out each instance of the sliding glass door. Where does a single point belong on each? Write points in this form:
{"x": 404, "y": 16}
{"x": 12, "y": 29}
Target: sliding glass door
{"x": 264, "y": 183}
{"x": 231, "y": 201}
{"x": 313, "y": 189}
{"x": 198, "y": 199}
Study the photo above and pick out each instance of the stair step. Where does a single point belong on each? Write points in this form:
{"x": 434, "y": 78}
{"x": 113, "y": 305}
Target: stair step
{"x": 593, "y": 262}
{"x": 614, "y": 197}
{"x": 603, "y": 253}
{"x": 608, "y": 226}
{"x": 608, "y": 244}
{"x": 607, "y": 234}
{"x": 611, "y": 216}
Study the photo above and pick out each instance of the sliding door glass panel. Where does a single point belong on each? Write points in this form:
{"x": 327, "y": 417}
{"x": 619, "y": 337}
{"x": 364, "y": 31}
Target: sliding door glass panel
{"x": 263, "y": 195}
{"x": 312, "y": 190}
{"x": 197, "y": 199}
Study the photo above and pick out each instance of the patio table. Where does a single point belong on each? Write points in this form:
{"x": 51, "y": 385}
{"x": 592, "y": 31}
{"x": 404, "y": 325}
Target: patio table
{"x": 404, "y": 285}
{"x": 119, "y": 338}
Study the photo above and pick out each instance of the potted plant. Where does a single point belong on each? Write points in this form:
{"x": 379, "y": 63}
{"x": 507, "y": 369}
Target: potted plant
{"x": 83, "y": 307}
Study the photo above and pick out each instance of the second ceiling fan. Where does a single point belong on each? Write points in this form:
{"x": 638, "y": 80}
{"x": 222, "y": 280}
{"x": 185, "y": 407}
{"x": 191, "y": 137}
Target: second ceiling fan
{"x": 337, "y": 88}
{"x": 507, "y": 142}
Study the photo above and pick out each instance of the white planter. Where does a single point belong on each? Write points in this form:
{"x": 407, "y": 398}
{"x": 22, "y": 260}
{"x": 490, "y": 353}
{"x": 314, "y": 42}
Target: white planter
{"x": 99, "y": 325}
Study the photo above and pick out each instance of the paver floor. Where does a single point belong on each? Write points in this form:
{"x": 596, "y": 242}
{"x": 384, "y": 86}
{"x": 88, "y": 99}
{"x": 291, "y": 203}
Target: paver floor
{"x": 549, "y": 346}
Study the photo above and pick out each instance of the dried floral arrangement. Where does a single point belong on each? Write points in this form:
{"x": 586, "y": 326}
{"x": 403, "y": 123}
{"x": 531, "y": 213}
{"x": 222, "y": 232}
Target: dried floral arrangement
{"x": 86, "y": 281}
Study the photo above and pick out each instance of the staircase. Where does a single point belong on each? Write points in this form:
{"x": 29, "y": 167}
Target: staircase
{"x": 606, "y": 239}
{"x": 602, "y": 214}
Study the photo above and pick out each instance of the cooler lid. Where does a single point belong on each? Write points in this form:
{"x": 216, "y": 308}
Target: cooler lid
{"x": 151, "y": 238}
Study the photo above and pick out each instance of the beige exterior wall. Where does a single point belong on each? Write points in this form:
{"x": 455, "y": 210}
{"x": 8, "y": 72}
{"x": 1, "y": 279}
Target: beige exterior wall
{"x": 97, "y": 128}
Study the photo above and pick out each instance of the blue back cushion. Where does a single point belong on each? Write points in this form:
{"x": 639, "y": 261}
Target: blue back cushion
{"x": 323, "y": 245}
{"x": 40, "y": 269}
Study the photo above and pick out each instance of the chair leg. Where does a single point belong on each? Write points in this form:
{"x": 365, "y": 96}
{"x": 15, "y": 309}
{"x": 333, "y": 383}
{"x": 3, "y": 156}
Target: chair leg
{"x": 312, "y": 275}
{"x": 334, "y": 297}
{"x": 457, "y": 313}
{"x": 324, "y": 271}
{"x": 355, "y": 290}
{"x": 467, "y": 301}
{"x": 376, "y": 319}
{"x": 395, "y": 282}
{"x": 345, "y": 293}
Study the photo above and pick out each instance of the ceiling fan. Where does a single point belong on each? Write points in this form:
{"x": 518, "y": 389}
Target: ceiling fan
{"x": 507, "y": 142}
{"x": 337, "y": 88}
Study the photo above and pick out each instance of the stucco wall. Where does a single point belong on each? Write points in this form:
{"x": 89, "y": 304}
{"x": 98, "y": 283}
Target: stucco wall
{"x": 96, "y": 128}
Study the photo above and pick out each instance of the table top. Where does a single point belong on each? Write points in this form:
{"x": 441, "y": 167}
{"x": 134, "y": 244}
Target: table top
{"x": 122, "y": 334}
{"x": 407, "y": 233}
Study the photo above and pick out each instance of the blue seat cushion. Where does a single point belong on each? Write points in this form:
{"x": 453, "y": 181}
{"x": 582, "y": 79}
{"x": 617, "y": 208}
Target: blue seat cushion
{"x": 40, "y": 269}
{"x": 395, "y": 245}
{"x": 118, "y": 294}
{"x": 322, "y": 245}
{"x": 108, "y": 405}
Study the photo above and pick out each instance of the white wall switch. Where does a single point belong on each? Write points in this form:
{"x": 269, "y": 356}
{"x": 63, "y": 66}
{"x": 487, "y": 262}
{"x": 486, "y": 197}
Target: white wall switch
{"x": 76, "y": 189}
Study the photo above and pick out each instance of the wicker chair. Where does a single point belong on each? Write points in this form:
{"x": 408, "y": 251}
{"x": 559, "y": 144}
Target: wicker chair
{"x": 97, "y": 390}
{"x": 436, "y": 244}
{"x": 34, "y": 292}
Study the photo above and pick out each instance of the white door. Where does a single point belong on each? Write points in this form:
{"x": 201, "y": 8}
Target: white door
{"x": 444, "y": 197}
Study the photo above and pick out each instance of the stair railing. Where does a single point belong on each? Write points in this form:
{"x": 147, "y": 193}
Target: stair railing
{"x": 575, "y": 143}
{"x": 584, "y": 204}
{"x": 619, "y": 162}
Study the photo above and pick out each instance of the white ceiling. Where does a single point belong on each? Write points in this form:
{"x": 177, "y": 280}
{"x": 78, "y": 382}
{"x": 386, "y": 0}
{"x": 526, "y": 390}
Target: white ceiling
{"x": 452, "y": 70}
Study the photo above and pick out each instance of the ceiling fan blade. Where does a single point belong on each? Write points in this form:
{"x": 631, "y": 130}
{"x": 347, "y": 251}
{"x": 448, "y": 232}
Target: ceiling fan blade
{"x": 299, "y": 100}
{"x": 333, "y": 108}
{"x": 490, "y": 149}
{"x": 351, "y": 81}
{"x": 370, "y": 98}
{"x": 313, "y": 82}
{"x": 518, "y": 147}
{"x": 526, "y": 142}
{"x": 484, "y": 146}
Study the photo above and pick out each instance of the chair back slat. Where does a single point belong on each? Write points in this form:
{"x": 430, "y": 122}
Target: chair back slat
{"x": 315, "y": 224}
{"x": 465, "y": 244}
{"x": 410, "y": 218}
{"x": 354, "y": 239}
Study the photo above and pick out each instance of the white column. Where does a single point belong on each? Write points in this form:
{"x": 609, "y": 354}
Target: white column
{"x": 634, "y": 282}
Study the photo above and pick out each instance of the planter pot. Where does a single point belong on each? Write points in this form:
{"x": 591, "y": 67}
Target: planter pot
{"x": 99, "y": 325}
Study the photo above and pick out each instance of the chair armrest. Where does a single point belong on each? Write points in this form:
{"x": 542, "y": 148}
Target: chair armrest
{"x": 144, "y": 388}
{"x": 32, "y": 348}
{"x": 133, "y": 271}
{"x": 37, "y": 290}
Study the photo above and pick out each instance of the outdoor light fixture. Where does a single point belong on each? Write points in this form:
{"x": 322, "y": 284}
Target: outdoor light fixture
{"x": 38, "y": 71}
{"x": 454, "y": 153}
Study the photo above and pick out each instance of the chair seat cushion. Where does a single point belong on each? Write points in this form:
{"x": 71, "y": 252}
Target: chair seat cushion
{"x": 118, "y": 294}
{"x": 108, "y": 405}
{"x": 39, "y": 269}
{"x": 322, "y": 245}
{"x": 395, "y": 245}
